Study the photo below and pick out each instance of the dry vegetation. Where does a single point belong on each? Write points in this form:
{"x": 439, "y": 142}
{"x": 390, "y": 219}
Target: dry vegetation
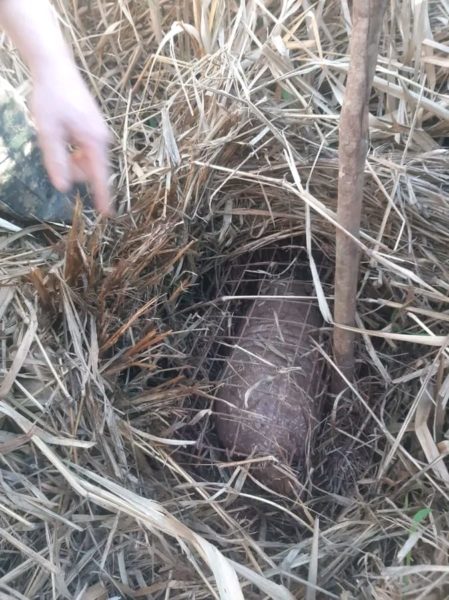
{"x": 226, "y": 126}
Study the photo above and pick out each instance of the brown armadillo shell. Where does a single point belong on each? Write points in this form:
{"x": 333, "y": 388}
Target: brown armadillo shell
{"x": 268, "y": 404}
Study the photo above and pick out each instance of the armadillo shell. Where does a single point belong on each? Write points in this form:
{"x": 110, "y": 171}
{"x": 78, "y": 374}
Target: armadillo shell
{"x": 269, "y": 403}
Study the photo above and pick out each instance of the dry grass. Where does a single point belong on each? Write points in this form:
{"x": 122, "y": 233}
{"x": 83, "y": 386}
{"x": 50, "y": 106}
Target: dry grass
{"x": 225, "y": 117}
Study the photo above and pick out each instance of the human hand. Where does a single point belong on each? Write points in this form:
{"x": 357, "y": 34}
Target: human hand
{"x": 65, "y": 113}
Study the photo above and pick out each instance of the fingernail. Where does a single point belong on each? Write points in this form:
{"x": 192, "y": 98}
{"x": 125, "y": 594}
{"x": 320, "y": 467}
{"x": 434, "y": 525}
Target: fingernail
{"x": 63, "y": 185}
{"x": 111, "y": 211}
{"x": 60, "y": 182}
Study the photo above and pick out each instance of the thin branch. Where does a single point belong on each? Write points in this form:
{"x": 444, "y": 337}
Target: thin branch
{"x": 353, "y": 144}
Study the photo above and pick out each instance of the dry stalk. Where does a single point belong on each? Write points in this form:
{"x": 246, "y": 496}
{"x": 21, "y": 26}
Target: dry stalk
{"x": 353, "y": 146}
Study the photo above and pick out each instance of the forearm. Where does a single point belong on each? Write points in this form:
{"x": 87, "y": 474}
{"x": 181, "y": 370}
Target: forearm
{"x": 32, "y": 27}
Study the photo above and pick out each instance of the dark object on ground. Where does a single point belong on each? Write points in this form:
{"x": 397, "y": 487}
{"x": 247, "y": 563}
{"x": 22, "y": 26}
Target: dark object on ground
{"x": 269, "y": 404}
{"x": 26, "y": 192}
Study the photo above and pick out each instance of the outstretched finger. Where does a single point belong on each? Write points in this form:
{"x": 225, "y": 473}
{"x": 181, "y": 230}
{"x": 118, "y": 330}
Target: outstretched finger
{"x": 56, "y": 158}
{"x": 95, "y": 166}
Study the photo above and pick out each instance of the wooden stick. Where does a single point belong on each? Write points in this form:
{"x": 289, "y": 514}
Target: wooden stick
{"x": 367, "y": 18}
